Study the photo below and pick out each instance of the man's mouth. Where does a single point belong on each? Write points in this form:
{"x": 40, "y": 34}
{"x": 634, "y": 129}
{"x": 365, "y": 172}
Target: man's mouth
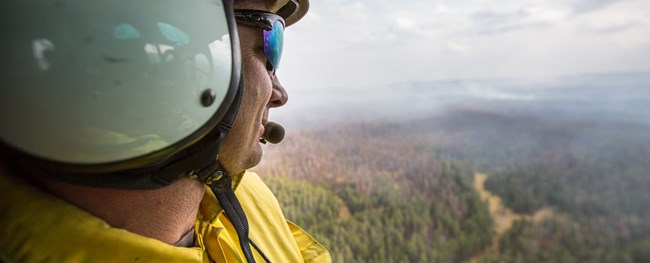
{"x": 262, "y": 130}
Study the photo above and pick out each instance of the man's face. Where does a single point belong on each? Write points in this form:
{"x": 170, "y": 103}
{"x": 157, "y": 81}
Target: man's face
{"x": 262, "y": 91}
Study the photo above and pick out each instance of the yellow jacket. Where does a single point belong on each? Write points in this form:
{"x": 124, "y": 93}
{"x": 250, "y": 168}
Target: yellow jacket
{"x": 38, "y": 227}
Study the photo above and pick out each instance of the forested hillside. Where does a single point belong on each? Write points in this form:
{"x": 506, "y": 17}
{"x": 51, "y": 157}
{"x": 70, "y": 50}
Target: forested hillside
{"x": 402, "y": 191}
{"x": 372, "y": 194}
{"x": 596, "y": 174}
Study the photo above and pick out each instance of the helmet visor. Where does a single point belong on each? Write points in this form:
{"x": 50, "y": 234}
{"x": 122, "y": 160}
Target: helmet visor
{"x": 96, "y": 81}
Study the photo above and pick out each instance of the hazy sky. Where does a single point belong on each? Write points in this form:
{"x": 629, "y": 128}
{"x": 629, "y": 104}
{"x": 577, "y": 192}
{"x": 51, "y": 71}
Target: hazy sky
{"x": 343, "y": 43}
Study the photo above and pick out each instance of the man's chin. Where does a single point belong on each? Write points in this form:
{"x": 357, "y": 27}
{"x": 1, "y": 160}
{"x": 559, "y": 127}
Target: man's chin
{"x": 236, "y": 158}
{"x": 253, "y": 158}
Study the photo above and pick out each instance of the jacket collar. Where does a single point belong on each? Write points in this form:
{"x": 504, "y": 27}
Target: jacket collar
{"x": 37, "y": 226}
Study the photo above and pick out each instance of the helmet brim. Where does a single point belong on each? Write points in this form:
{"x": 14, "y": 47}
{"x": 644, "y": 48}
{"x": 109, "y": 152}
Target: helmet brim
{"x": 294, "y": 17}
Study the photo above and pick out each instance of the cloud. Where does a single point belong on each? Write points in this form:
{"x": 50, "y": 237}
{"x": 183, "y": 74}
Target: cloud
{"x": 354, "y": 11}
{"x": 616, "y": 18}
{"x": 364, "y": 42}
{"x": 489, "y": 22}
{"x": 406, "y": 23}
{"x": 495, "y": 94}
{"x": 586, "y": 6}
{"x": 457, "y": 47}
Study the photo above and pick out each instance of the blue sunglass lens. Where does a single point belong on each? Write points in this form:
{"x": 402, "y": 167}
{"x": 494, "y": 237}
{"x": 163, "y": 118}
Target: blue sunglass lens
{"x": 273, "y": 42}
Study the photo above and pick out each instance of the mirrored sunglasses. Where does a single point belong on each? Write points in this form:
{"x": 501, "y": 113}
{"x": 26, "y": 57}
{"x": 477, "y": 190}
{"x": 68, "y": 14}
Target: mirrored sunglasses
{"x": 272, "y": 26}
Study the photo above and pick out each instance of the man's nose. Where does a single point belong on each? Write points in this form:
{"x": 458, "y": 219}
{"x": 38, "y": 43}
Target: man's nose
{"x": 279, "y": 95}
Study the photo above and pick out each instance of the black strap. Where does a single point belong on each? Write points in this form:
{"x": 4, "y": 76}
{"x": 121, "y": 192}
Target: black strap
{"x": 220, "y": 182}
{"x": 259, "y": 251}
{"x": 222, "y": 188}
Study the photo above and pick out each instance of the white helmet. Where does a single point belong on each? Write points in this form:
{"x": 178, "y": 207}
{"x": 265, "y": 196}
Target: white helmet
{"x": 131, "y": 94}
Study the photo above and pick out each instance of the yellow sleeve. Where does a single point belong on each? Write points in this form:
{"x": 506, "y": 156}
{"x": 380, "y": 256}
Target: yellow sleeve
{"x": 312, "y": 251}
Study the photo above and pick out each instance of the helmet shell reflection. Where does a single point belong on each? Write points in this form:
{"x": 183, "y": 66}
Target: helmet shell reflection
{"x": 95, "y": 81}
